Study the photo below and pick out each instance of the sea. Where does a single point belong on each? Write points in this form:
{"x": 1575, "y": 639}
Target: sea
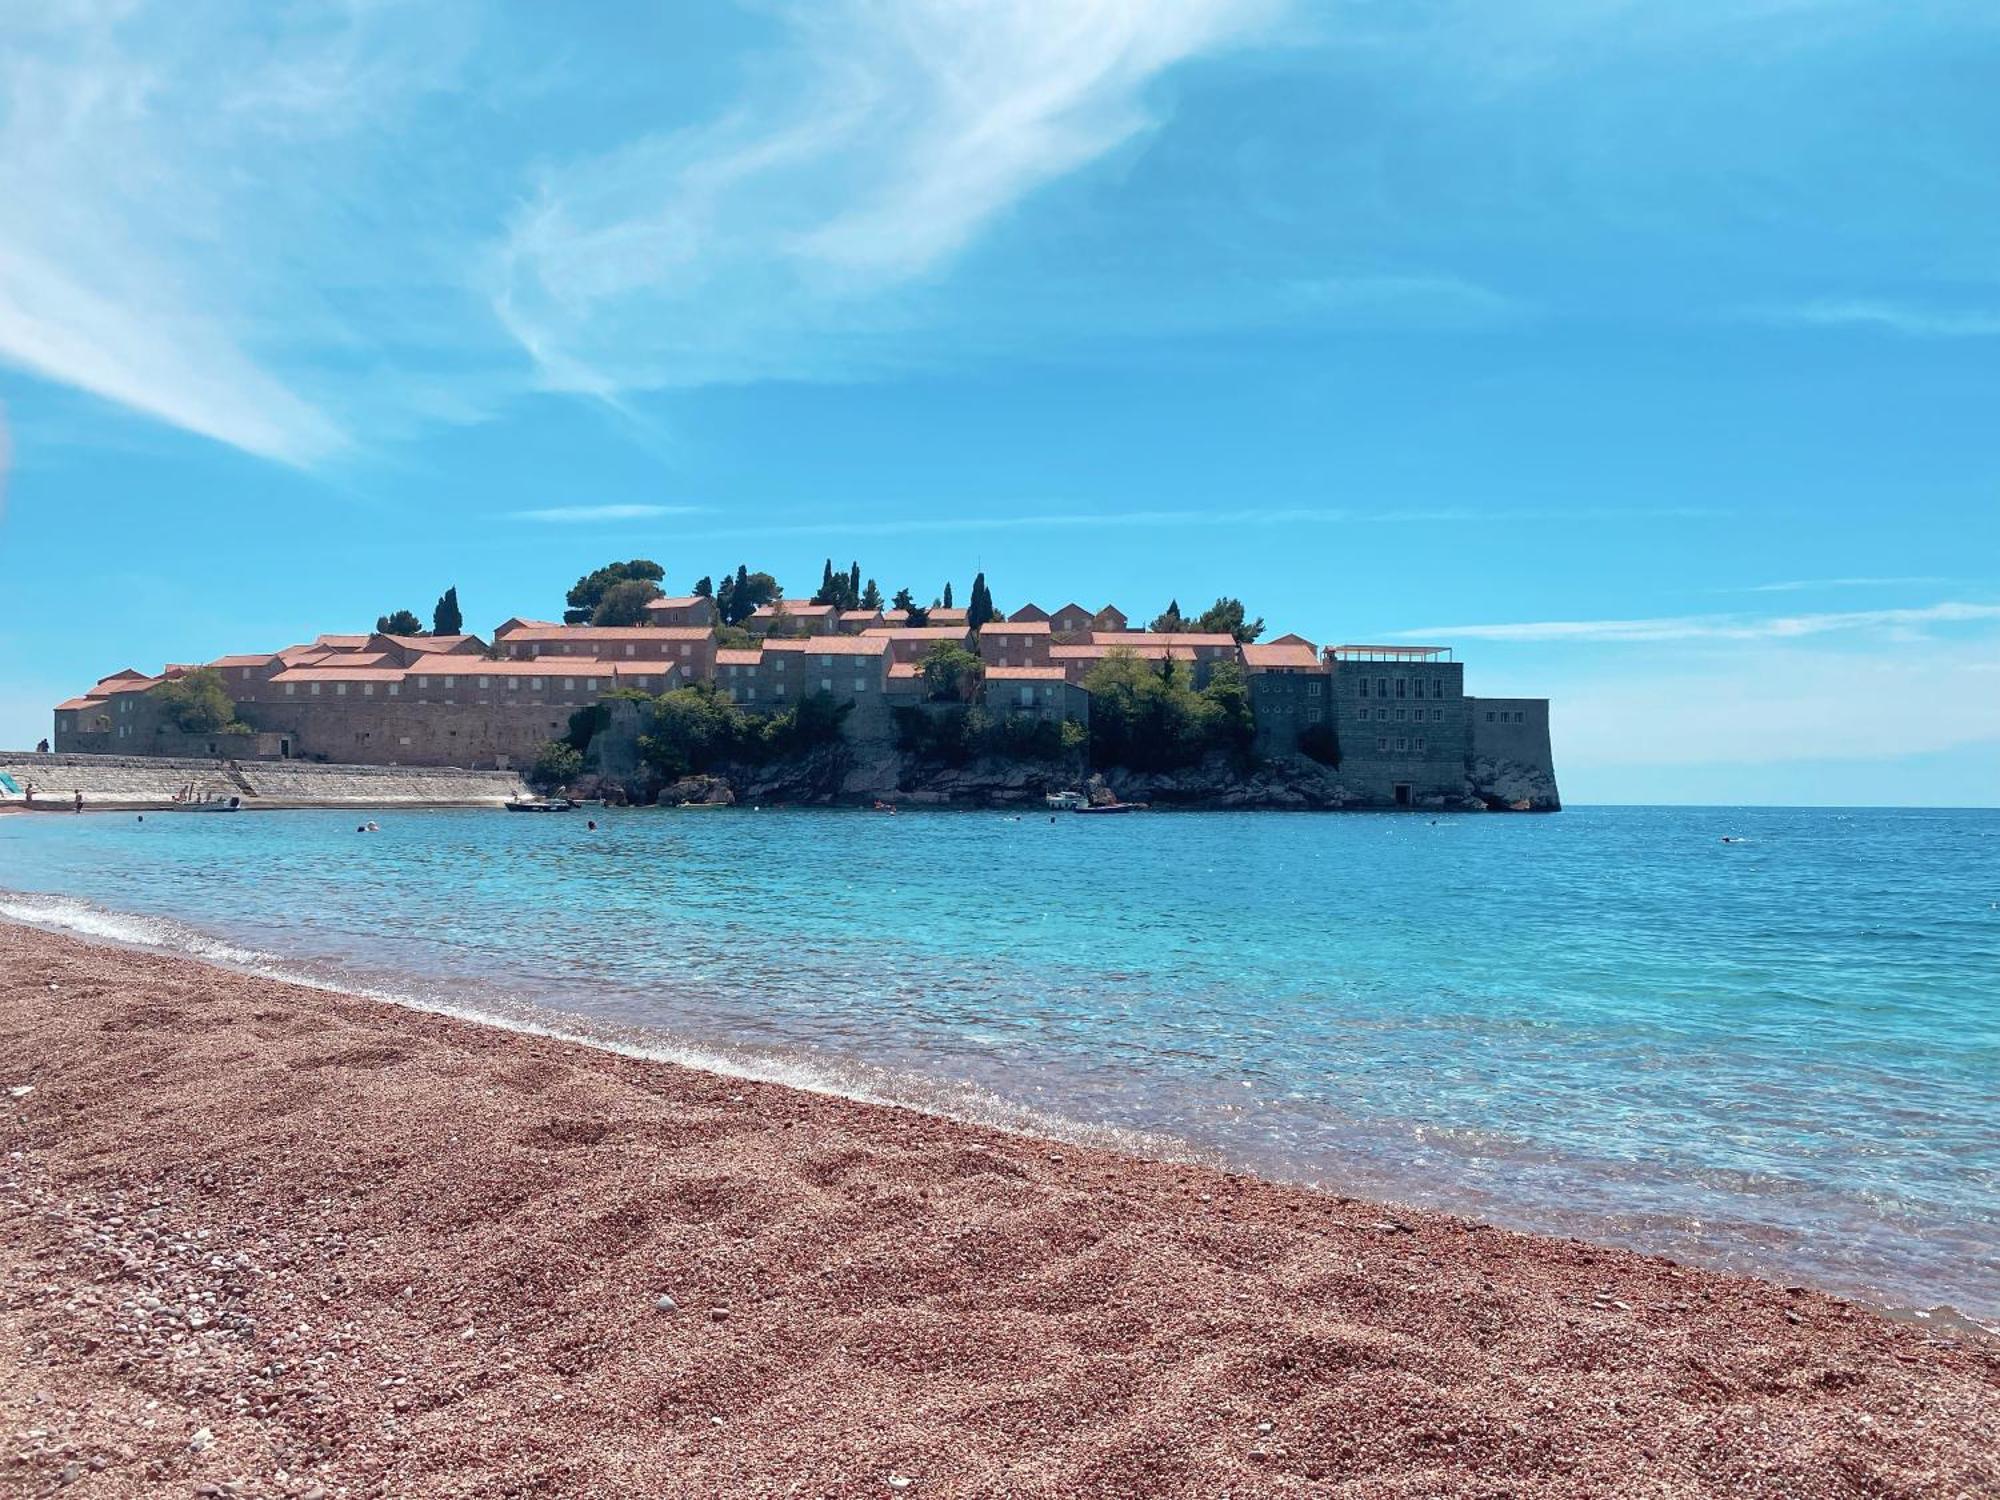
{"x": 1759, "y": 1039}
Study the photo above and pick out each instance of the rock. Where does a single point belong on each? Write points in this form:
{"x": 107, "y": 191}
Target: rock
{"x": 898, "y": 1482}
{"x": 201, "y": 1442}
{"x": 718, "y": 1314}
{"x": 664, "y": 1303}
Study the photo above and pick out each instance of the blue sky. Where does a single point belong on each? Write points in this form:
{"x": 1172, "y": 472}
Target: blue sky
{"x": 1648, "y": 354}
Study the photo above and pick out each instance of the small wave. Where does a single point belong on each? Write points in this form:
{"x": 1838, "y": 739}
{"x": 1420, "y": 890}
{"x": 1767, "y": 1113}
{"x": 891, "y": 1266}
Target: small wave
{"x": 63, "y": 914}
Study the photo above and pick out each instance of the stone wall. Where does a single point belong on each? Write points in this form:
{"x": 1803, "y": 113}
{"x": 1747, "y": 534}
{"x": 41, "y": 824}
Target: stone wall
{"x": 154, "y": 780}
{"x": 1390, "y": 756}
{"x": 1511, "y": 761}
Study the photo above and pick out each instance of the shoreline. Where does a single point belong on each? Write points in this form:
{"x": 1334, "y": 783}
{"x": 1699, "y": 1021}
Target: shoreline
{"x": 397, "y": 1248}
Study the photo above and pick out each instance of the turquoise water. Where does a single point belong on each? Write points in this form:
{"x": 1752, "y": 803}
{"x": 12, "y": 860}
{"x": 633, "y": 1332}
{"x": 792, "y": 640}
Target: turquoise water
{"x": 1780, "y": 1055}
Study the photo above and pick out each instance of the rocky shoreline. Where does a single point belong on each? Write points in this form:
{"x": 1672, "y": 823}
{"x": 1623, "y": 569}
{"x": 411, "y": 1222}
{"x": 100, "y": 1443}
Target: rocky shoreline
{"x": 261, "y": 1240}
{"x": 837, "y": 777}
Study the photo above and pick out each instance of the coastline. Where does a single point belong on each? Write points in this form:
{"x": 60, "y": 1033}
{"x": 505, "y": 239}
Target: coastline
{"x": 415, "y": 1255}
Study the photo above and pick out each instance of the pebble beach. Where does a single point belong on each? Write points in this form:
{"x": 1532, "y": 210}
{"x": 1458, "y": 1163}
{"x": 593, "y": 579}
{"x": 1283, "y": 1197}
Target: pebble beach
{"x": 264, "y": 1240}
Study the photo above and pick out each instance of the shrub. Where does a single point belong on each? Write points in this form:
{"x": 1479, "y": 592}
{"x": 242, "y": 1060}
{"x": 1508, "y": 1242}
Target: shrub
{"x": 197, "y": 703}
{"x": 556, "y": 764}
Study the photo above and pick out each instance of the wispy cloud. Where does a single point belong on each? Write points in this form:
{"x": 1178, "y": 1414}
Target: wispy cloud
{"x": 872, "y": 149}
{"x": 151, "y": 161}
{"x": 1716, "y": 627}
{"x": 1235, "y": 517}
{"x": 1808, "y": 585}
{"x": 571, "y": 514}
{"x": 1891, "y": 317}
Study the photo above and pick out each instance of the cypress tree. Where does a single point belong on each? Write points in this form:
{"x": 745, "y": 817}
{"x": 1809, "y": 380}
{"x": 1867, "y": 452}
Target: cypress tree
{"x": 947, "y": 595}
{"x": 445, "y": 619}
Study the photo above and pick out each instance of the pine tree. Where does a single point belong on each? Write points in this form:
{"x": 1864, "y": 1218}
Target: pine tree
{"x": 853, "y": 586}
{"x": 871, "y": 597}
{"x": 704, "y": 587}
{"x": 947, "y": 595}
{"x": 445, "y": 619}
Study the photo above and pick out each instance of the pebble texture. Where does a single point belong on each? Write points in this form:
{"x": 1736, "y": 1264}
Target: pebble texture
{"x": 256, "y": 1240}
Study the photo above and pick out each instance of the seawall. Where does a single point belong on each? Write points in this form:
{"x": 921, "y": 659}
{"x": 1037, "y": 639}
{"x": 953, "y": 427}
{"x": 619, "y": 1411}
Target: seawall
{"x": 145, "y": 781}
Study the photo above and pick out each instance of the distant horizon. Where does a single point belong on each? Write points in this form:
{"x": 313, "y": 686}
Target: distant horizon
{"x": 1645, "y": 361}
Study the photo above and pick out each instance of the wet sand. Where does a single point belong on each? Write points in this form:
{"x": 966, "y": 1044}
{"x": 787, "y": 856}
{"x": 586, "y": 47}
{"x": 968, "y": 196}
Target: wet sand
{"x": 257, "y": 1239}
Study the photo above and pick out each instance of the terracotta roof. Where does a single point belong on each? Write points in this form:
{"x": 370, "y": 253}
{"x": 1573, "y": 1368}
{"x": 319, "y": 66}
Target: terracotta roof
{"x": 1145, "y": 650}
{"x": 1290, "y": 639}
{"x": 869, "y": 644}
{"x": 1163, "y": 638}
{"x": 339, "y": 674}
{"x": 124, "y": 674}
{"x": 246, "y": 659}
{"x": 80, "y": 703}
{"x": 731, "y": 656}
{"x": 919, "y": 633}
{"x": 1281, "y": 654}
{"x": 894, "y": 616}
{"x": 793, "y": 607}
{"x": 520, "y": 622}
{"x": 124, "y": 684}
{"x": 341, "y": 642}
{"x": 1028, "y": 612}
{"x": 861, "y": 614}
{"x": 680, "y": 601}
{"x": 1015, "y": 627}
{"x": 1023, "y": 674}
{"x": 905, "y": 669}
{"x": 952, "y": 616}
{"x": 546, "y": 666}
{"x": 587, "y": 633}
{"x": 432, "y": 642}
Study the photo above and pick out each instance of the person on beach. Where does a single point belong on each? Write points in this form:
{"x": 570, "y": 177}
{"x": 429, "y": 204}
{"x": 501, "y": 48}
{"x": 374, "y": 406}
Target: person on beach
{"x": 79, "y": 799}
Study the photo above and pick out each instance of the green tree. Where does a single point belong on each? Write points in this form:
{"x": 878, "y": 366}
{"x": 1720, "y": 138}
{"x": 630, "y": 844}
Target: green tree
{"x": 445, "y": 619}
{"x": 704, "y": 587}
{"x": 197, "y": 703}
{"x": 980, "y": 610}
{"x": 585, "y": 725}
{"x": 585, "y": 595}
{"x": 871, "y": 597}
{"x": 815, "y": 720}
{"x": 624, "y": 603}
{"x": 1144, "y": 716}
{"x": 402, "y": 622}
{"x": 951, "y": 673}
{"x": 853, "y": 600}
{"x": 947, "y": 594}
{"x": 1228, "y": 723}
{"x": 740, "y": 597}
{"x": 557, "y": 763}
{"x": 1225, "y": 617}
{"x": 692, "y": 728}
{"x": 1170, "y": 622}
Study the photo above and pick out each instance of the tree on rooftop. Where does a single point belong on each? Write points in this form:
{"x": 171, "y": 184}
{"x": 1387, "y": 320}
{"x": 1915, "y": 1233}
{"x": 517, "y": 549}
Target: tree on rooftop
{"x": 1170, "y": 621}
{"x": 947, "y": 594}
{"x": 624, "y": 603}
{"x": 196, "y": 702}
{"x": 588, "y": 591}
{"x": 1225, "y": 617}
{"x": 402, "y": 622}
{"x": 854, "y": 585}
{"x": 980, "y": 610}
{"x": 740, "y": 597}
{"x": 917, "y": 615}
{"x": 871, "y": 597}
{"x": 951, "y": 673}
{"x": 445, "y": 619}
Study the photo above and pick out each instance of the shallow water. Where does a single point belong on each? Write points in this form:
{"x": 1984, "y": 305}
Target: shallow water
{"x": 1780, "y": 1055}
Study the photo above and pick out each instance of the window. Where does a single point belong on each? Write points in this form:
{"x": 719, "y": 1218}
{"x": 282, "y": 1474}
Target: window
{"x": 395, "y": 688}
{"x": 1381, "y": 687}
{"x": 750, "y": 693}
{"x": 1401, "y": 683}
{"x": 569, "y": 684}
{"x": 1364, "y": 716}
{"x": 484, "y": 681}
{"x": 778, "y": 691}
{"x": 861, "y": 684}
{"x": 1521, "y": 716}
{"x": 1381, "y": 742}
{"x": 340, "y": 690}
{"x": 777, "y": 664}
{"x": 315, "y": 690}
{"x": 686, "y": 649}
{"x": 826, "y": 683}
{"x": 590, "y": 684}
{"x": 1489, "y": 716}
{"x": 1401, "y": 745}
{"x": 367, "y": 689}
{"x": 630, "y": 649}
{"x": 404, "y": 740}
{"x": 534, "y": 684}
{"x": 1312, "y": 714}
{"x": 1364, "y": 687}
{"x": 1418, "y": 743}
{"x": 513, "y": 684}
{"x": 1437, "y": 687}
{"x": 291, "y": 689}
{"x": 450, "y": 683}
{"x": 826, "y": 661}
{"x": 1400, "y": 713}
{"x": 1312, "y": 689}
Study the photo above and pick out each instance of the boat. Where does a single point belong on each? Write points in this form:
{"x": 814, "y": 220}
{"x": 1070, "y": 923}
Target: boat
{"x": 1065, "y": 801}
{"x": 214, "y": 804}
{"x": 540, "y": 804}
{"x": 1113, "y": 807}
